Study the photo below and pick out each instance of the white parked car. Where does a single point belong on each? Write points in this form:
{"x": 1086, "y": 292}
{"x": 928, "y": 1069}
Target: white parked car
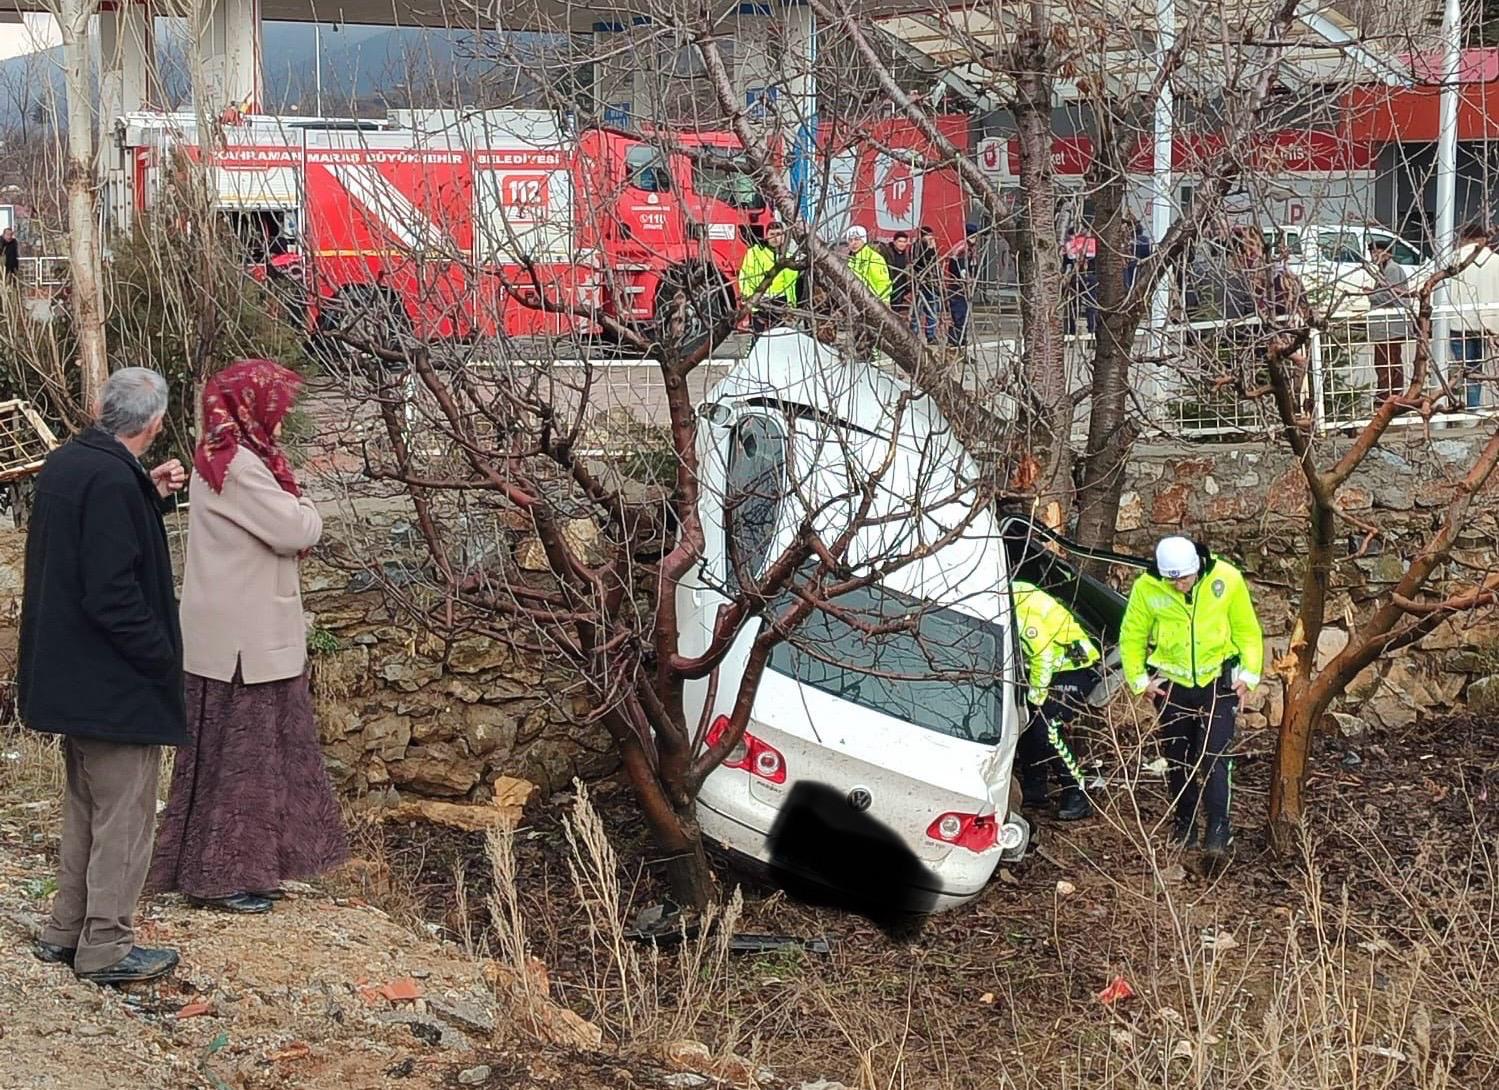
{"x": 879, "y": 723}
{"x": 1332, "y": 261}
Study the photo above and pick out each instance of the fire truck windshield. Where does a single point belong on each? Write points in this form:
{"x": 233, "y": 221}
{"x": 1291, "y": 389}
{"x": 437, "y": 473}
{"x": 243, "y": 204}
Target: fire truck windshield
{"x": 719, "y": 173}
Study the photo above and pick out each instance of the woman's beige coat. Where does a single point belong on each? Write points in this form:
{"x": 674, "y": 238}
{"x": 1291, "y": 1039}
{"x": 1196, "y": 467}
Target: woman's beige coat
{"x": 241, "y": 599}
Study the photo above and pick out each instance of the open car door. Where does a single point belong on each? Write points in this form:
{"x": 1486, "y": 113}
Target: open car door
{"x": 1041, "y": 556}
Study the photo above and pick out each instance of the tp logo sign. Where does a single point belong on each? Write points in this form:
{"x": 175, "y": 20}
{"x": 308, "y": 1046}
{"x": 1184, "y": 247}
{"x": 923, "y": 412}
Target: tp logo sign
{"x": 897, "y": 194}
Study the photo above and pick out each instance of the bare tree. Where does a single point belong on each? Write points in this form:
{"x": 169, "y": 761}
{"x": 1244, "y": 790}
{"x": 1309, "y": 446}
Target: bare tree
{"x": 84, "y": 253}
{"x": 1432, "y": 589}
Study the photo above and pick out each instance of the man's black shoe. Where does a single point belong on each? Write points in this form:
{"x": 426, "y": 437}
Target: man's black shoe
{"x": 53, "y": 954}
{"x": 1219, "y": 840}
{"x": 1074, "y": 805}
{"x": 1184, "y": 831}
{"x": 141, "y": 964}
{"x": 243, "y": 904}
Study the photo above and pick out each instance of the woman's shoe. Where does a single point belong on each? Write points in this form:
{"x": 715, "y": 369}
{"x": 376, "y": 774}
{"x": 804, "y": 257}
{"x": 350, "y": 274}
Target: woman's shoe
{"x": 243, "y": 904}
{"x": 269, "y": 894}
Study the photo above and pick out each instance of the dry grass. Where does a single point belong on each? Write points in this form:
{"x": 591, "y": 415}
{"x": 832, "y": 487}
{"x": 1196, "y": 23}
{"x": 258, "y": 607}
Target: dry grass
{"x": 31, "y": 768}
{"x": 639, "y": 995}
{"x": 1364, "y": 968}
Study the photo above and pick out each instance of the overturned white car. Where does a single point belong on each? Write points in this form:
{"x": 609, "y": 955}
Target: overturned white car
{"x": 889, "y": 720}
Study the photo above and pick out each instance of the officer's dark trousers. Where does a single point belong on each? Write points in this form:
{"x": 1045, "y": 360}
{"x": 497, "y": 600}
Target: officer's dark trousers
{"x": 1197, "y": 733}
{"x": 1044, "y": 751}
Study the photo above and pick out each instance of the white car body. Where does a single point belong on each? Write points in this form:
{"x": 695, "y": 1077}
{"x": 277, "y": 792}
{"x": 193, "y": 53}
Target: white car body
{"x": 842, "y": 419}
{"x": 1332, "y": 261}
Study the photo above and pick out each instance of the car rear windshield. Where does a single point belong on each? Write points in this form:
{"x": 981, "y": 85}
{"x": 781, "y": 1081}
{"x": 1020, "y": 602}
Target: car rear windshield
{"x": 940, "y": 669}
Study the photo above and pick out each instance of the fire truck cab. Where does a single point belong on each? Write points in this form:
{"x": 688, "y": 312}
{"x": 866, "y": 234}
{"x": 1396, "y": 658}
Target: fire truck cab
{"x": 461, "y": 226}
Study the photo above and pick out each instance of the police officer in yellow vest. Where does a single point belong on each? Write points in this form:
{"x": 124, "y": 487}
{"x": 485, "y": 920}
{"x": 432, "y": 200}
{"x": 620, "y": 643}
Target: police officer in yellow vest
{"x": 1190, "y": 638}
{"x": 778, "y": 293}
{"x": 1061, "y": 670}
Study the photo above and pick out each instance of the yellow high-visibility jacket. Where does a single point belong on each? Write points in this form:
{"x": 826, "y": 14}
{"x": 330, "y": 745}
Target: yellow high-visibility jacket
{"x": 1187, "y": 639}
{"x": 759, "y": 259}
{"x": 1050, "y": 637}
{"x": 868, "y": 264}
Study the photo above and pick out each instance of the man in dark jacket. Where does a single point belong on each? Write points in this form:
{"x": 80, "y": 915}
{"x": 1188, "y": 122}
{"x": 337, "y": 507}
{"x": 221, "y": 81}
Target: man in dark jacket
{"x": 10, "y": 251}
{"x": 926, "y": 284}
{"x": 100, "y": 663}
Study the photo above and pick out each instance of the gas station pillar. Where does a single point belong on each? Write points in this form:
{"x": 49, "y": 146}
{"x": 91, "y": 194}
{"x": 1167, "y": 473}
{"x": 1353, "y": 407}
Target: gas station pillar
{"x": 127, "y": 83}
{"x": 229, "y": 43}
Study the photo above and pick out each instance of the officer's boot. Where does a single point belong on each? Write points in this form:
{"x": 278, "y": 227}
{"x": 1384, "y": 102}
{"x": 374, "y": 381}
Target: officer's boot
{"x": 1073, "y": 805}
{"x": 1184, "y": 828}
{"x": 1218, "y": 842}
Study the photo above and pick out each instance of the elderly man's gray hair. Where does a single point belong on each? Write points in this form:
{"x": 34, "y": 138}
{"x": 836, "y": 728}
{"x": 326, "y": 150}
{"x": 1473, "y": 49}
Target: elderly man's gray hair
{"x": 133, "y": 397}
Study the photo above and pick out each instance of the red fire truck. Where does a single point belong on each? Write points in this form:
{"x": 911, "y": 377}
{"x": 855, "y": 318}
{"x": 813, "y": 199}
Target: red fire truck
{"x": 455, "y": 226}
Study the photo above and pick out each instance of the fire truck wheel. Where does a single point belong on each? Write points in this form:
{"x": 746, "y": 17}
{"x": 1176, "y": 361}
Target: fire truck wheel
{"x": 691, "y": 301}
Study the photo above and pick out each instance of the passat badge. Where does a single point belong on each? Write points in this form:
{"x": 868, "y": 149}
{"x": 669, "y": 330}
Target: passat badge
{"x": 860, "y": 799}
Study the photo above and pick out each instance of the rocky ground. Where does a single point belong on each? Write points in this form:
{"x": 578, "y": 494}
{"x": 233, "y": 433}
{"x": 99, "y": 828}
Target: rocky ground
{"x": 328, "y": 992}
{"x": 322, "y": 993}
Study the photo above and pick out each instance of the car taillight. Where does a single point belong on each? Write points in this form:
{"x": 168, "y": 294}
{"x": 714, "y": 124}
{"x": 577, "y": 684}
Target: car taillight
{"x": 751, "y": 754}
{"x": 975, "y": 832}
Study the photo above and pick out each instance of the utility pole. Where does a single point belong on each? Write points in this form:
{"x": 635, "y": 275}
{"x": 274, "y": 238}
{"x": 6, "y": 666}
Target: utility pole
{"x": 1446, "y": 232}
{"x": 317, "y": 48}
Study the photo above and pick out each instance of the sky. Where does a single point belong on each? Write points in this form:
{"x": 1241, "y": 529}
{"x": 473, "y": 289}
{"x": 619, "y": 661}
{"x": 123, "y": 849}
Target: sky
{"x": 37, "y": 32}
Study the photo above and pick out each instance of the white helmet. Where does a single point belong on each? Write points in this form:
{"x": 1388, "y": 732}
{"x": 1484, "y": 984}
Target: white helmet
{"x": 1176, "y": 558}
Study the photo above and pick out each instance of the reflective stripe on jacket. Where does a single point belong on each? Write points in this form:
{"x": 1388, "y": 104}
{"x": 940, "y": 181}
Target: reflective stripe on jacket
{"x": 1050, "y": 637}
{"x": 868, "y": 264}
{"x": 1188, "y": 638}
{"x": 759, "y": 259}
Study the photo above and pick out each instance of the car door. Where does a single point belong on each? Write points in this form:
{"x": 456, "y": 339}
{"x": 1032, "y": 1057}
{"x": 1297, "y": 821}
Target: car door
{"x": 1040, "y": 556}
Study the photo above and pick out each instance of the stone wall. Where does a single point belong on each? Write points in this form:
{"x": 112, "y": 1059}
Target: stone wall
{"x": 1249, "y": 503}
{"x": 403, "y": 713}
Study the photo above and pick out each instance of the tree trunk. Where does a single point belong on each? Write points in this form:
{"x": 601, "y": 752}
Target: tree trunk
{"x": 688, "y": 875}
{"x": 83, "y": 215}
{"x": 1288, "y": 777}
{"x": 1306, "y": 697}
{"x": 1041, "y": 290}
{"x": 1110, "y": 429}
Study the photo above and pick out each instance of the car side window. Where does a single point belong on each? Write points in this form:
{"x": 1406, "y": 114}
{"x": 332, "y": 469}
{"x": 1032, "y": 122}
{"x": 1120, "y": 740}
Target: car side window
{"x": 756, "y": 489}
{"x": 1341, "y": 247}
{"x": 645, "y": 167}
{"x": 1405, "y": 253}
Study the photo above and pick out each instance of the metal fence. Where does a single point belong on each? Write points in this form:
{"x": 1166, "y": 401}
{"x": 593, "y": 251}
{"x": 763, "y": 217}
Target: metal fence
{"x": 1207, "y": 379}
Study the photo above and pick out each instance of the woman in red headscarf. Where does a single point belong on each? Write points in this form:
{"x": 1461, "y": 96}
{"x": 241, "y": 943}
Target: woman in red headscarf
{"x": 251, "y": 804}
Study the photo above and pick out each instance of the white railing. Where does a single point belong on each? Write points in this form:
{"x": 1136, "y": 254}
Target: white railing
{"x": 1200, "y": 379}
{"x": 43, "y": 272}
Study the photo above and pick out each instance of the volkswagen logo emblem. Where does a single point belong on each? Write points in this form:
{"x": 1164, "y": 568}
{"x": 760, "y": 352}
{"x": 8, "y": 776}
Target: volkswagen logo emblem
{"x": 859, "y": 799}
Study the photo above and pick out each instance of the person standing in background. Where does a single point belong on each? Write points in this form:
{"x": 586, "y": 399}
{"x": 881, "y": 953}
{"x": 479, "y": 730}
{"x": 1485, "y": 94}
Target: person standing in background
{"x": 100, "y": 663}
{"x": 925, "y": 276}
{"x": 868, "y": 264}
{"x": 1387, "y": 331}
{"x": 957, "y": 276}
{"x": 777, "y": 294}
{"x": 899, "y": 260}
{"x": 251, "y": 804}
{"x": 10, "y": 246}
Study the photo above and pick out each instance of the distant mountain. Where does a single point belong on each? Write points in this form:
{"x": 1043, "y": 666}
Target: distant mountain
{"x": 364, "y": 69}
